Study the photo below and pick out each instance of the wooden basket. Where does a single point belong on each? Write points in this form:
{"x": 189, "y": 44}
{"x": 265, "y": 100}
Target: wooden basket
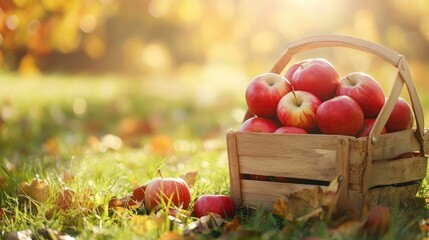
{"x": 378, "y": 169}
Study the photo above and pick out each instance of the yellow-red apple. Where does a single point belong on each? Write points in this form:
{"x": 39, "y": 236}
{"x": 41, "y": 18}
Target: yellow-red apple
{"x": 298, "y": 109}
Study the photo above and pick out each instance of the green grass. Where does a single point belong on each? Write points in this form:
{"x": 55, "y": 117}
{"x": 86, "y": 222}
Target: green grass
{"x": 54, "y": 124}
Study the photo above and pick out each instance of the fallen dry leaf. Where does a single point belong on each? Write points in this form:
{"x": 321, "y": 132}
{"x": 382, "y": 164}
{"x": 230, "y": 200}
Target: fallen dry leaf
{"x": 65, "y": 198}
{"x": 204, "y": 225}
{"x": 299, "y": 204}
{"x": 39, "y": 190}
{"x": 172, "y": 235}
{"x": 190, "y": 178}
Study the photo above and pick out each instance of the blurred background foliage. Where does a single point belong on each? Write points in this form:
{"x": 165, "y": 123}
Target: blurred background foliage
{"x": 186, "y": 59}
{"x": 141, "y": 36}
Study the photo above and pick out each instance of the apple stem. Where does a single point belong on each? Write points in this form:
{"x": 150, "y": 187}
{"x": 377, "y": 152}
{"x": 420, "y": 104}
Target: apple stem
{"x": 159, "y": 173}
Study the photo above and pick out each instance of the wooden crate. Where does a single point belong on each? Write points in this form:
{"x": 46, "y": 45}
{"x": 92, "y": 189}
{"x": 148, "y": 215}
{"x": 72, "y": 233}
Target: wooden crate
{"x": 379, "y": 169}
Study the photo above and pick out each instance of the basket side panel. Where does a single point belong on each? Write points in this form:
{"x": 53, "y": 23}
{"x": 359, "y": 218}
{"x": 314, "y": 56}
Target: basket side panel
{"x": 234, "y": 168}
{"x": 392, "y": 145}
{"x": 294, "y": 156}
{"x": 397, "y": 171}
{"x": 264, "y": 193}
{"x": 292, "y": 166}
{"x": 392, "y": 196}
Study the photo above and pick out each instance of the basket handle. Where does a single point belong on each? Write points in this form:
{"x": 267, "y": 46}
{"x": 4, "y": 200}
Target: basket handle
{"x": 389, "y": 55}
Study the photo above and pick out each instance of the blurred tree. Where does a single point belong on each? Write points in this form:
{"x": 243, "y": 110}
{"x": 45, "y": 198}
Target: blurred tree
{"x": 159, "y": 35}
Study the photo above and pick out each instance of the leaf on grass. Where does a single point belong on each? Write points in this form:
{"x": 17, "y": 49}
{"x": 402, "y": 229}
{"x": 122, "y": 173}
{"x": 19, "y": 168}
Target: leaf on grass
{"x": 299, "y": 204}
{"x": 232, "y": 225}
{"x": 346, "y": 229}
{"x": 281, "y": 209}
{"x": 172, "y": 235}
{"x": 45, "y": 233}
{"x": 204, "y": 225}
{"x": 65, "y": 198}
{"x": 331, "y": 196}
{"x": 3, "y": 182}
{"x": 190, "y": 178}
{"x": 67, "y": 176}
{"x": 142, "y": 224}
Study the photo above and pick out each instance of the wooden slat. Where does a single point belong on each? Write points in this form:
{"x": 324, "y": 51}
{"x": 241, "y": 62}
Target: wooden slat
{"x": 234, "y": 168}
{"x": 397, "y": 171}
{"x": 393, "y": 144}
{"x": 291, "y": 166}
{"x": 258, "y": 200}
{"x": 264, "y": 144}
{"x": 256, "y": 193}
{"x": 391, "y": 196}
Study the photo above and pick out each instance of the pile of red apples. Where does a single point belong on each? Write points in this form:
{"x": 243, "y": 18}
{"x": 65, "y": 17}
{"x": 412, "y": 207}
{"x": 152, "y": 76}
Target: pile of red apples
{"x": 311, "y": 98}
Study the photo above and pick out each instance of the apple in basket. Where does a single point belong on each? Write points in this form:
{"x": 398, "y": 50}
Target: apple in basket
{"x": 264, "y": 92}
{"x": 161, "y": 192}
{"x": 364, "y": 90}
{"x": 401, "y": 117}
{"x": 259, "y": 124}
{"x": 298, "y": 109}
{"x": 340, "y": 116}
{"x": 317, "y": 76}
{"x": 290, "y": 130}
{"x": 368, "y": 124}
{"x": 219, "y": 204}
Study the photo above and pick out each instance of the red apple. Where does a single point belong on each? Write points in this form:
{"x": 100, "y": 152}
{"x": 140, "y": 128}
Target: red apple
{"x": 264, "y": 92}
{"x": 316, "y": 76}
{"x": 163, "y": 191}
{"x": 292, "y": 130}
{"x": 291, "y": 70}
{"x": 298, "y": 109}
{"x": 219, "y": 204}
{"x": 368, "y": 124}
{"x": 340, "y": 116}
{"x": 401, "y": 117}
{"x": 364, "y": 90}
{"x": 259, "y": 124}
{"x": 139, "y": 193}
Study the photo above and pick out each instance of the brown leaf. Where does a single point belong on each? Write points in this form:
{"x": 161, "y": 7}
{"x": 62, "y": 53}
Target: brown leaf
{"x": 3, "y": 182}
{"x": 233, "y": 225}
{"x": 38, "y": 190}
{"x": 281, "y": 209}
{"x": 204, "y": 225}
{"x": 190, "y": 178}
{"x": 300, "y": 205}
{"x": 67, "y": 176}
{"x": 331, "y": 196}
{"x": 172, "y": 235}
{"x": 65, "y": 198}
{"x": 346, "y": 229}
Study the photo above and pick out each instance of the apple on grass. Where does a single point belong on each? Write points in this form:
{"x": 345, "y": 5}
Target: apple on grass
{"x": 340, "y": 116}
{"x": 401, "y": 117}
{"x": 368, "y": 124}
{"x": 219, "y": 204}
{"x": 162, "y": 192}
{"x": 364, "y": 90}
{"x": 259, "y": 124}
{"x": 264, "y": 92}
{"x": 316, "y": 76}
{"x": 298, "y": 109}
